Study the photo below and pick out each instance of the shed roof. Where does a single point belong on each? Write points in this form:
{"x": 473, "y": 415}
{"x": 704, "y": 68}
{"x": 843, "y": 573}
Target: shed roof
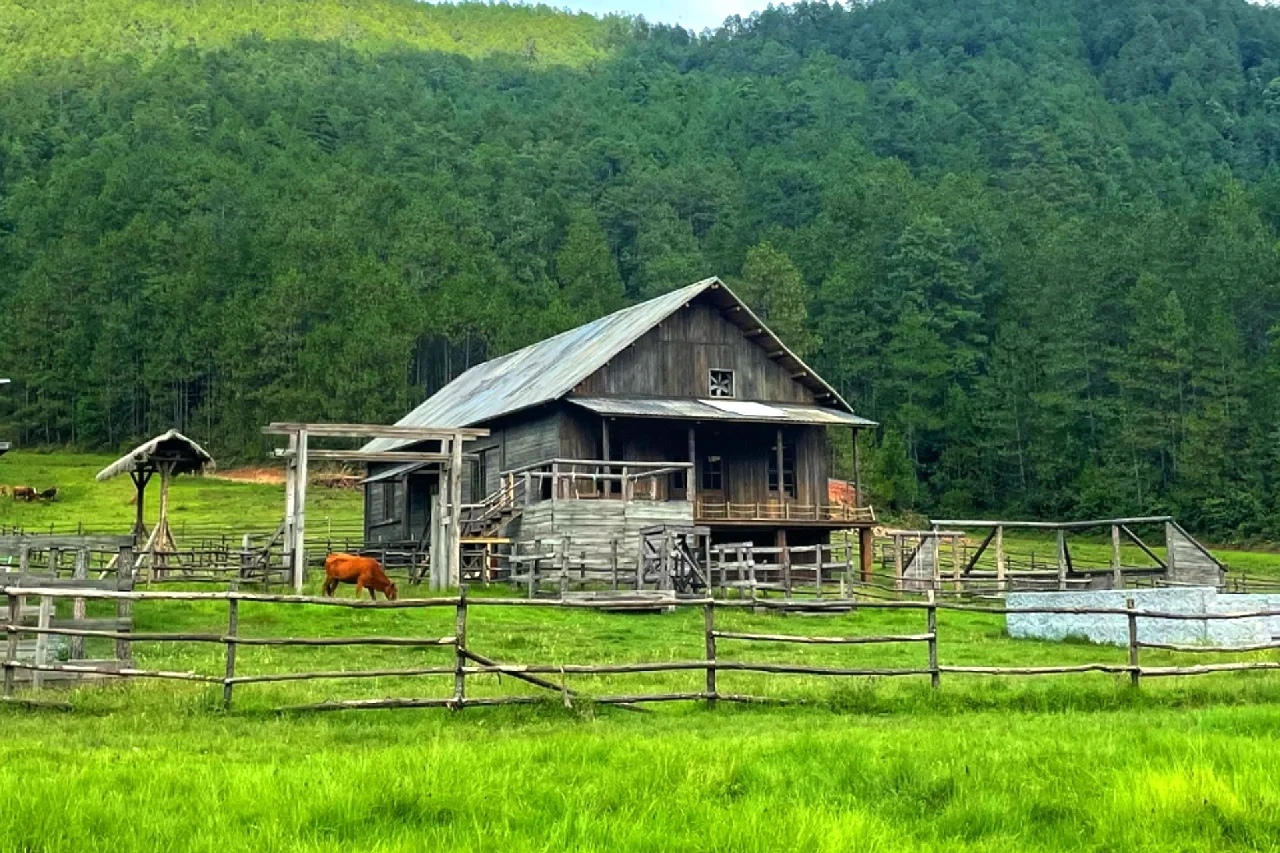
{"x": 187, "y": 456}
{"x": 551, "y": 369}
{"x": 739, "y": 411}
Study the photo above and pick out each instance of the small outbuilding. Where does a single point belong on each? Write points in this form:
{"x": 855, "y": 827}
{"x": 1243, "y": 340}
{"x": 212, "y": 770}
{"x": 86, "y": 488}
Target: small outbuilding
{"x": 169, "y": 455}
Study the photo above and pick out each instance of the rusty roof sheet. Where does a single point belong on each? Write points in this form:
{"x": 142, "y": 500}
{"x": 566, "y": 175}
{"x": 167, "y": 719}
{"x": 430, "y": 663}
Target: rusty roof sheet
{"x": 714, "y": 410}
{"x": 551, "y": 369}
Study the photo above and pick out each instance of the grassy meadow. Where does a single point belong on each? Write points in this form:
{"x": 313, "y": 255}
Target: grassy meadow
{"x": 195, "y": 503}
{"x": 1073, "y": 762}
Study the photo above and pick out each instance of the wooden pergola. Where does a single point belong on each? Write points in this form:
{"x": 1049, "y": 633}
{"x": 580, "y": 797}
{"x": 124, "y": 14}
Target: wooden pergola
{"x": 169, "y": 455}
{"x": 298, "y": 455}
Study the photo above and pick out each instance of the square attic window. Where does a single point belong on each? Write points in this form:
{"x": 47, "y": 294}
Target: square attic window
{"x": 721, "y": 383}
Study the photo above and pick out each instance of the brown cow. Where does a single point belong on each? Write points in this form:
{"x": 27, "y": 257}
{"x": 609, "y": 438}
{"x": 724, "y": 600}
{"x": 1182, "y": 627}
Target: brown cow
{"x": 364, "y": 572}
{"x": 24, "y": 493}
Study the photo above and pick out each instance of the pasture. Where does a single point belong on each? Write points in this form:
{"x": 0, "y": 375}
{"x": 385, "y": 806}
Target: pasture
{"x": 1069, "y": 762}
{"x": 1073, "y": 762}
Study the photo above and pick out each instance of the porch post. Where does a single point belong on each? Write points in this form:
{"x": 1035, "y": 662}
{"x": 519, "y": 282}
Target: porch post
{"x": 782, "y": 490}
{"x": 692, "y": 480}
{"x": 604, "y": 454}
{"x": 857, "y": 471}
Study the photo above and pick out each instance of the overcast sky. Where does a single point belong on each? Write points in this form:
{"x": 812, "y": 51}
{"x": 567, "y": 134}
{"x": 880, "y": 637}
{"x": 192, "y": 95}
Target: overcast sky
{"x": 695, "y": 14}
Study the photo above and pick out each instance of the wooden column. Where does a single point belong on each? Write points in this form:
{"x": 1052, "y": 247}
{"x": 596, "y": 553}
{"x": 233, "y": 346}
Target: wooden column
{"x": 606, "y": 455}
{"x": 1117, "y": 575}
{"x": 857, "y": 471}
{"x": 290, "y": 501}
{"x": 899, "y": 566}
{"x": 1002, "y": 564}
{"x": 455, "y": 511}
{"x": 866, "y": 542}
{"x": 693, "y": 460}
{"x": 140, "y": 480}
{"x": 1062, "y": 559}
{"x": 300, "y": 514}
{"x": 782, "y": 490}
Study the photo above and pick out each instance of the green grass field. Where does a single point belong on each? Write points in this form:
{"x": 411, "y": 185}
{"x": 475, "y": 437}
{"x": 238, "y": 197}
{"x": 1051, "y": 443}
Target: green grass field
{"x": 1074, "y": 762}
{"x": 196, "y": 503}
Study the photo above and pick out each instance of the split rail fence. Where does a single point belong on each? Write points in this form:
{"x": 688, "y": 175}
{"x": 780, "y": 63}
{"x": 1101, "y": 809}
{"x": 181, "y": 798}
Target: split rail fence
{"x": 466, "y": 662}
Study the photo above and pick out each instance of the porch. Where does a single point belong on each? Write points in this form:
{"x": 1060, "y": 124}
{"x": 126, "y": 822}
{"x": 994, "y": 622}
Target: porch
{"x": 662, "y": 482}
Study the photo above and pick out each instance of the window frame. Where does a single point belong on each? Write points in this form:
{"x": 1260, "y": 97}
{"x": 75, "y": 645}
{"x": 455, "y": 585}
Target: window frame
{"x": 712, "y": 472}
{"x": 733, "y": 383}
{"x": 790, "y": 485}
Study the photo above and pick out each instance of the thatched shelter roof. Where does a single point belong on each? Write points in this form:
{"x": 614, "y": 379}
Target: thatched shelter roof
{"x": 173, "y": 447}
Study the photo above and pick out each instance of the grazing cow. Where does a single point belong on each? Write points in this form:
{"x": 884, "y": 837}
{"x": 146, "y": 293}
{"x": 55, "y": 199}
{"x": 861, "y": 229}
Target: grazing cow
{"x": 48, "y": 494}
{"x": 24, "y": 493}
{"x": 364, "y": 572}
{"x": 4, "y": 491}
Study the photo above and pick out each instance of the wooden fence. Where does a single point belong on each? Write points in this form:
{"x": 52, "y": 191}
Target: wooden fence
{"x": 466, "y": 662}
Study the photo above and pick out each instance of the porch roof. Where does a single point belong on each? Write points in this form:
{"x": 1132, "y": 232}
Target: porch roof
{"x": 739, "y": 411}
{"x": 394, "y": 473}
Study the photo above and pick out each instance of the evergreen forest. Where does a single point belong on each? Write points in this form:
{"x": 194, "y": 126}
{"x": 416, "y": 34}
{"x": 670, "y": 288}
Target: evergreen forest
{"x": 1037, "y": 240}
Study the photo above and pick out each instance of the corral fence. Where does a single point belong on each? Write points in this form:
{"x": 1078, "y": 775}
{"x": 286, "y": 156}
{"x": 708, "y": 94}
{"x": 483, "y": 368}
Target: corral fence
{"x": 464, "y": 662}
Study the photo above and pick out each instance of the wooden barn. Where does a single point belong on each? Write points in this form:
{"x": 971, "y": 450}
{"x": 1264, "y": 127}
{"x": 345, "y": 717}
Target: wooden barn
{"x": 685, "y": 409}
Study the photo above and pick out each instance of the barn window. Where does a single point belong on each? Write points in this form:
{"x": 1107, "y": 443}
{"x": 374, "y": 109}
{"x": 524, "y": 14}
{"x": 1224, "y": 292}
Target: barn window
{"x": 788, "y": 467}
{"x": 721, "y": 383}
{"x": 713, "y": 473}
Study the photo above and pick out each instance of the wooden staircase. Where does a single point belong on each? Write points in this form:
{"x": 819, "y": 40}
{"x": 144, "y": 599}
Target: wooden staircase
{"x": 489, "y": 520}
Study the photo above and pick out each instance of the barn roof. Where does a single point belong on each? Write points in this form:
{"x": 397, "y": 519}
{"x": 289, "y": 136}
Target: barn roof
{"x": 551, "y": 369}
{"x": 187, "y": 456}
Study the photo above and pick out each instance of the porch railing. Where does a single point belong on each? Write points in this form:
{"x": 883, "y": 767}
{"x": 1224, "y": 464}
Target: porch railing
{"x": 597, "y": 479}
{"x": 781, "y": 511}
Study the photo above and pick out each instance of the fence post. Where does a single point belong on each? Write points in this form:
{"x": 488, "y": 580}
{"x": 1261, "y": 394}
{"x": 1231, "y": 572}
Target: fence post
{"x": 1135, "y": 673}
{"x": 614, "y": 562}
{"x": 460, "y": 651}
{"x": 78, "y": 605}
{"x": 935, "y": 674}
{"x": 11, "y": 641}
{"x": 564, "y": 568}
{"x": 785, "y": 556}
{"x": 709, "y": 622}
{"x": 233, "y": 626}
{"x": 818, "y": 570}
{"x": 124, "y": 608}
{"x": 42, "y": 641}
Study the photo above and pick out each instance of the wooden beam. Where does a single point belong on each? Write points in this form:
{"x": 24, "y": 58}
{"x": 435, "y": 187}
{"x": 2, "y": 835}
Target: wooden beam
{"x": 300, "y": 514}
{"x": 973, "y": 561}
{"x": 388, "y": 456}
{"x": 1143, "y": 545}
{"x": 374, "y": 431}
{"x": 454, "y": 556}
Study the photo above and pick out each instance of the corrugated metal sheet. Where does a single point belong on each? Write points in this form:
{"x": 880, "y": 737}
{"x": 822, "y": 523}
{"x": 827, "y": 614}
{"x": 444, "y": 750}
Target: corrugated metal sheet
{"x": 551, "y": 369}
{"x": 542, "y": 372}
{"x": 703, "y": 410}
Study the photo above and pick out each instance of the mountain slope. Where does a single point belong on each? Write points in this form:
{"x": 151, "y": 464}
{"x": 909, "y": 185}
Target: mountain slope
{"x": 1036, "y": 239}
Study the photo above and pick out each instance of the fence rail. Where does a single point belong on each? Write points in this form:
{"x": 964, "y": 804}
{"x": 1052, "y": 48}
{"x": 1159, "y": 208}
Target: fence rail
{"x": 466, "y": 663}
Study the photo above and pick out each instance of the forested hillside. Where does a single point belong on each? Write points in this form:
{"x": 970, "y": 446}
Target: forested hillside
{"x": 1036, "y": 239}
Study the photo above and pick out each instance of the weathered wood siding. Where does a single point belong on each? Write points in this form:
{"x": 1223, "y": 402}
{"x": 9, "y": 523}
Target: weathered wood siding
{"x": 593, "y": 526}
{"x": 1189, "y": 563}
{"x": 674, "y": 360}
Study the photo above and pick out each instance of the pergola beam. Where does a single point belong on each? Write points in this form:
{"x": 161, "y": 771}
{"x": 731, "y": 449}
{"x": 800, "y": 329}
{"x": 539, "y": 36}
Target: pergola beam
{"x": 375, "y": 456}
{"x": 374, "y": 431}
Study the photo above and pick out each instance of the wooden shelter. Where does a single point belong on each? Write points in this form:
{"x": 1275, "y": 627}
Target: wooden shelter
{"x": 168, "y": 455}
{"x": 683, "y": 410}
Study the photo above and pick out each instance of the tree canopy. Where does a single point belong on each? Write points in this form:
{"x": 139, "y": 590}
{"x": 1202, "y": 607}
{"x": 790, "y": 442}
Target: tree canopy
{"x": 1036, "y": 239}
